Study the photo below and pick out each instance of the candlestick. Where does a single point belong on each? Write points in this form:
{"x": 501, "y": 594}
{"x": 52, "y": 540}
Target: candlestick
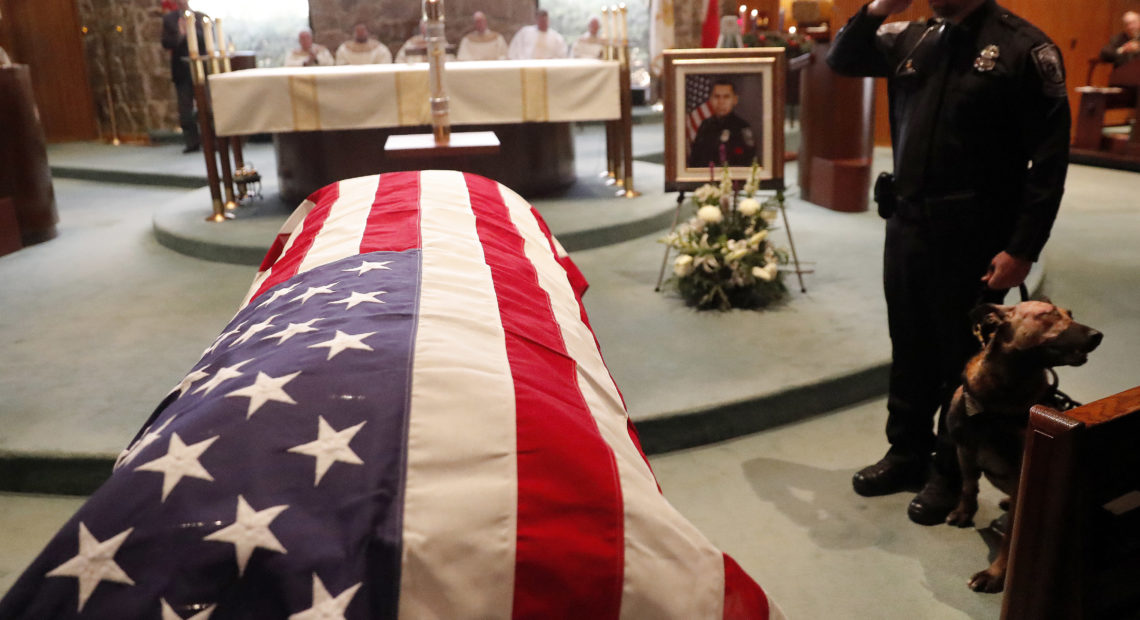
{"x": 191, "y": 35}
{"x": 622, "y": 21}
{"x": 208, "y": 34}
{"x": 613, "y": 25}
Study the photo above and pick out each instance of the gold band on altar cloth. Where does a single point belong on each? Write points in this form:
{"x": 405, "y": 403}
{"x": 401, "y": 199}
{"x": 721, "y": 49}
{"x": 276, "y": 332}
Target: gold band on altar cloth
{"x": 534, "y": 103}
{"x": 412, "y": 98}
{"x": 306, "y": 106}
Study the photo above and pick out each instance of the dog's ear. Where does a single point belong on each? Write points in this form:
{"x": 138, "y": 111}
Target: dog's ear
{"x": 986, "y": 319}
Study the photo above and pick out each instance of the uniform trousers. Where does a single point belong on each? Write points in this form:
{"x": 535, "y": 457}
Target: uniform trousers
{"x": 186, "y": 116}
{"x": 933, "y": 265}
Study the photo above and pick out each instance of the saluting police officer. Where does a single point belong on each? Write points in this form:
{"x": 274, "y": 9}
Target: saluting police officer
{"x": 980, "y": 130}
{"x": 724, "y": 136}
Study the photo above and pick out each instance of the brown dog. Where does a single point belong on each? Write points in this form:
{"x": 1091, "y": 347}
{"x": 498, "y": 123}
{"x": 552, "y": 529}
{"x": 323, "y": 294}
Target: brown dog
{"x": 989, "y": 413}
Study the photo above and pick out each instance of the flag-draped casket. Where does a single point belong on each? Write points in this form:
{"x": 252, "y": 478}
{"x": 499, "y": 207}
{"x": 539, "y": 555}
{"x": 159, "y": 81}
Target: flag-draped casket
{"x": 408, "y": 417}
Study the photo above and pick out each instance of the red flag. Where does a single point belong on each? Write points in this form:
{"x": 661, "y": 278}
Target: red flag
{"x": 710, "y": 32}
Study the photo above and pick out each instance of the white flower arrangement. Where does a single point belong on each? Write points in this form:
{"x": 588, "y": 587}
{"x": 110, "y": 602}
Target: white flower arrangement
{"x": 725, "y": 258}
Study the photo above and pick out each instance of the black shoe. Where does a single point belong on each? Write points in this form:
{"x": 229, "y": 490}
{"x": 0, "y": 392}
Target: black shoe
{"x": 893, "y": 473}
{"x": 935, "y": 501}
{"x": 191, "y": 149}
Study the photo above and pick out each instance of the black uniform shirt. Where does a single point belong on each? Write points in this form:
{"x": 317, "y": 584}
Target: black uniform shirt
{"x": 730, "y": 130}
{"x": 978, "y": 111}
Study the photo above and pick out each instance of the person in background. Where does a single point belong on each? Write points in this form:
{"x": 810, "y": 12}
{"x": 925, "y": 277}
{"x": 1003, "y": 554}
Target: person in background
{"x": 415, "y": 49}
{"x": 362, "y": 49}
{"x": 174, "y": 42}
{"x": 309, "y": 54}
{"x": 482, "y": 43}
{"x": 537, "y": 41}
{"x": 589, "y": 45}
{"x": 980, "y": 132}
{"x": 1124, "y": 46}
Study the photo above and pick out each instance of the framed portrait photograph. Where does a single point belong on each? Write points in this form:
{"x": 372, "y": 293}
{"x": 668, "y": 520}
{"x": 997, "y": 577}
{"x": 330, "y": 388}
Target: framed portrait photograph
{"x": 724, "y": 106}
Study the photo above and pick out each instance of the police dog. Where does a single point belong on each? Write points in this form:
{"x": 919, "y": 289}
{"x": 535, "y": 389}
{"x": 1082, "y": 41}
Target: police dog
{"x": 989, "y": 413}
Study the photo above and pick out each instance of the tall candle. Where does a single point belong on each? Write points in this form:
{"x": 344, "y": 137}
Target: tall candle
{"x": 605, "y": 24}
{"x": 208, "y": 31}
{"x": 613, "y": 24}
{"x": 621, "y": 20}
{"x": 191, "y": 34}
{"x": 220, "y": 35}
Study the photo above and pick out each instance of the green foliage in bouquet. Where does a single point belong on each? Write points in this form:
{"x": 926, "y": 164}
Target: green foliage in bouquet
{"x": 726, "y": 259}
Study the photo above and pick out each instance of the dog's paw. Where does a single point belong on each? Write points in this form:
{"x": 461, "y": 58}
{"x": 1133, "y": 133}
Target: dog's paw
{"x": 987, "y": 581}
{"x": 962, "y": 515}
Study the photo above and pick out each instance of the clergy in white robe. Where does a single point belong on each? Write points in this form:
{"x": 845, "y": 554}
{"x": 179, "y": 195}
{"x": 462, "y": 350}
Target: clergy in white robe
{"x": 589, "y": 45}
{"x": 537, "y": 41}
{"x": 482, "y": 43}
{"x": 309, "y": 54}
{"x": 415, "y": 49}
{"x": 362, "y": 49}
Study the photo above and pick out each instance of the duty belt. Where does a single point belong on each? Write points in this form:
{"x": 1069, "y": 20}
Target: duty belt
{"x": 948, "y": 206}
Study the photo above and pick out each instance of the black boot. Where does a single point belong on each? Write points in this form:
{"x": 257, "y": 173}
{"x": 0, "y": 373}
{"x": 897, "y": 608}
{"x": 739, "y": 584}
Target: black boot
{"x": 936, "y": 500}
{"x": 893, "y": 473}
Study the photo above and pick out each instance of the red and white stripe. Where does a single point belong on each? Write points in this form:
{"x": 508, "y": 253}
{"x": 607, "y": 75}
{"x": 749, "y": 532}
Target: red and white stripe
{"x": 526, "y": 493}
{"x": 695, "y": 118}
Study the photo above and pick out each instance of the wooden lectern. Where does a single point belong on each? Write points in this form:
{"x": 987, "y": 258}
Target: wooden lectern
{"x": 1075, "y": 552}
{"x": 1089, "y": 141}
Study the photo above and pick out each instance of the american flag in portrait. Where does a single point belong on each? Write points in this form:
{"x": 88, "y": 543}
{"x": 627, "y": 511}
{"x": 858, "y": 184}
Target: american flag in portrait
{"x": 409, "y": 417}
{"x": 698, "y": 89}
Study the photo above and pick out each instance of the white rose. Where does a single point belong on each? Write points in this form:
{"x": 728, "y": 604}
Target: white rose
{"x": 683, "y": 265}
{"x": 748, "y": 206}
{"x": 758, "y": 237}
{"x": 710, "y": 214}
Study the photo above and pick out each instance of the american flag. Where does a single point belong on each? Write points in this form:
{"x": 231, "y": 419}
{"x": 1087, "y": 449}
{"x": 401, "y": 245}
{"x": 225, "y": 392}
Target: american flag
{"x": 698, "y": 89}
{"x": 409, "y": 418}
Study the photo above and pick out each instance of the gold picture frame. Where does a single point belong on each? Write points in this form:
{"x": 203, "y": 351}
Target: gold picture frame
{"x": 757, "y": 77}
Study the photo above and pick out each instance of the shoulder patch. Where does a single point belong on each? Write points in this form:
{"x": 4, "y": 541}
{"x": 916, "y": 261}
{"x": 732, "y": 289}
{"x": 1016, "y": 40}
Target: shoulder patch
{"x": 1052, "y": 71}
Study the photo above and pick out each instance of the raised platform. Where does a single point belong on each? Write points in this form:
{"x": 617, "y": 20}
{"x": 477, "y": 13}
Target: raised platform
{"x": 688, "y": 377}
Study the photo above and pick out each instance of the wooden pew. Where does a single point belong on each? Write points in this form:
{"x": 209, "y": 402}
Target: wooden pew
{"x": 1095, "y": 101}
{"x": 1075, "y": 552}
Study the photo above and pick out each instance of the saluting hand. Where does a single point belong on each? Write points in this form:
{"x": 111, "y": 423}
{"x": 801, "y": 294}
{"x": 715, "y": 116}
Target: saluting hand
{"x": 883, "y": 8}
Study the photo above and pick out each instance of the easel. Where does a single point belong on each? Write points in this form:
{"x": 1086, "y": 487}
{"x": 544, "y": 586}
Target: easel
{"x": 783, "y": 214}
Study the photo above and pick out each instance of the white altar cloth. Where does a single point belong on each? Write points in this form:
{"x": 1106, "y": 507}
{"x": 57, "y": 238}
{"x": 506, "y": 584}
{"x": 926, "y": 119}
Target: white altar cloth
{"x": 289, "y": 99}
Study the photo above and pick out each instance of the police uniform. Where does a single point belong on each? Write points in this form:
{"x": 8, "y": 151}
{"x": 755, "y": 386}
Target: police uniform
{"x": 980, "y": 129}
{"x": 731, "y": 131}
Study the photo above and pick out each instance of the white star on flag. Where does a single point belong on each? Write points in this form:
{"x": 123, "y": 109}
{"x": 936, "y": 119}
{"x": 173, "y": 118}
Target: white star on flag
{"x": 224, "y": 374}
{"x": 329, "y": 447}
{"x": 366, "y": 266}
{"x": 357, "y": 298}
{"x": 264, "y": 389}
{"x": 168, "y": 612}
{"x": 253, "y": 330}
{"x": 179, "y": 461}
{"x": 325, "y": 607}
{"x": 189, "y": 380}
{"x": 293, "y": 330}
{"x": 279, "y": 293}
{"x": 94, "y": 563}
{"x": 342, "y": 341}
{"x": 223, "y": 336}
{"x": 150, "y": 437}
{"x": 315, "y": 290}
{"x": 249, "y": 531}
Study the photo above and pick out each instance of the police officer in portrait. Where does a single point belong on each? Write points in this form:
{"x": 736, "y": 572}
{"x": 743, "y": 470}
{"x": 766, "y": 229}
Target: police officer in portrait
{"x": 724, "y": 136}
{"x": 980, "y": 131}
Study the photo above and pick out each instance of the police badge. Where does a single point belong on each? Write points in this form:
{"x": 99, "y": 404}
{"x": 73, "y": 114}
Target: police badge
{"x": 746, "y": 133}
{"x": 986, "y": 59}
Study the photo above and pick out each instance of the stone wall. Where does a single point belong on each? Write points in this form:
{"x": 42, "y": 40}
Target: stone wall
{"x": 394, "y": 21}
{"x": 123, "y": 48}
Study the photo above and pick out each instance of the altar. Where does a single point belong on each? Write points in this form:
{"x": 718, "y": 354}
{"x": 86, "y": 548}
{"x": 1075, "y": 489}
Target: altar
{"x": 331, "y": 123}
